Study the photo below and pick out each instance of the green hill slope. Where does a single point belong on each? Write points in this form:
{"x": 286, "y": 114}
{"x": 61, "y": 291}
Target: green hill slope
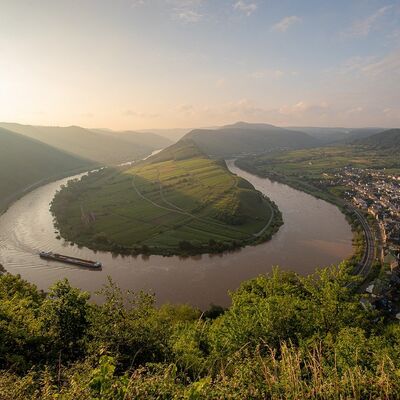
{"x": 244, "y": 138}
{"x": 25, "y": 162}
{"x": 388, "y": 140}
{"x": 182, "y": 150}
{"x": 177, "y": 202}
{"x": 90, "y": 144}
{"x": 337, "y": 135}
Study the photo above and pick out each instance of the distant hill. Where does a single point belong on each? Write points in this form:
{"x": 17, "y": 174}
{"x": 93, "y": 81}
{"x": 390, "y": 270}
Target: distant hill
{"x": 148, "y": 139}
{"x": 99, "y": 146}
{"x": 171, "y": 134}
{"x": 182, "y": 150}
{"x": 361, "y": 133}
{"x": 337, "y": 135}
{"x": 25, "y": 162}
{"x": 389, "y": 139}
{"x": 245, "y": 138}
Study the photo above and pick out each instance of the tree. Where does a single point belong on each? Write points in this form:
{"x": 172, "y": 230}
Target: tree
{"x": 65, "y": 315}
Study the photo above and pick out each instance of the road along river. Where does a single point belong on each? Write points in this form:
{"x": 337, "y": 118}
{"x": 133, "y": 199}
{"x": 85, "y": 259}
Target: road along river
{"x": 314, "y": 234}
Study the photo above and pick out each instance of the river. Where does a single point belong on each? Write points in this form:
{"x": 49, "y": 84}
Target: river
{"x": 314, "y": 234}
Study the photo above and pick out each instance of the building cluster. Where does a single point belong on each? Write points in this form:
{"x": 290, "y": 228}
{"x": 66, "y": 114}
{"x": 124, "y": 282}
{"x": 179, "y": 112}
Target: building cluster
{"x": 377, "y": 193}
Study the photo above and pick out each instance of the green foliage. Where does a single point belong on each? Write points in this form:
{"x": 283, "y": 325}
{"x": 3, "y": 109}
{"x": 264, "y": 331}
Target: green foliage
{"x": 129, "y": 326}
{"x": 285, "y": 336}
{"x": 20, "y": 327}
{"x": 65, "y": 318}
{"x": 104, "y": 384}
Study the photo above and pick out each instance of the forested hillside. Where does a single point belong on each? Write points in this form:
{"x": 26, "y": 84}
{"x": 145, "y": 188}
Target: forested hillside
{"x": 388, "y": 140}
{"x": 245, "y": 138}
{"x": 338, "y": 135}
{"x": 25, "y": 162}
{"x": 98, "y": 146}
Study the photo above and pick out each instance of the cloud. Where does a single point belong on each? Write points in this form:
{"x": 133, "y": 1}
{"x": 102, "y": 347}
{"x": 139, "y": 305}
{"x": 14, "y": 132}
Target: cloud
{"x": 284, "y": 24}
{"x": 188, "y": 15}
{"x": 245, "y": 7}
{"x": 221, "y": 83}
{"x": 187, "y": 11}
{"x": 353, "y": 64}
{"x": 267, "y": 73}
{"x": 363, "y": 27}
{"x": 387, "y": 66}
{"x": 390, "y": 64}
{"x": 245, "y": 107}
{"x": 354, "y": 110}
{"x": 139, "y": 114}
{"x": 303, "y": 107}
{"x": 137, "y": 3}
{"x": 186, "y": 109}
{"x": 392, "y": 113}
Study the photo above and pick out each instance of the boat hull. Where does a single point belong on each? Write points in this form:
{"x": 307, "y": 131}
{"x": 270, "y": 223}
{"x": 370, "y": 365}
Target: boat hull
{"x": 70, "y": 260}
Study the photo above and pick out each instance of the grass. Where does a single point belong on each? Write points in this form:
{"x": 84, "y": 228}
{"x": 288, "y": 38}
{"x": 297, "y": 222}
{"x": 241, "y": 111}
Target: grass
{"x": 180, "y": 202}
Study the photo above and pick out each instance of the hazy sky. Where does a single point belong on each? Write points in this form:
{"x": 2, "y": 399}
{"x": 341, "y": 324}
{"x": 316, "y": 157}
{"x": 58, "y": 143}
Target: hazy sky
{"x": 188, "y": 63}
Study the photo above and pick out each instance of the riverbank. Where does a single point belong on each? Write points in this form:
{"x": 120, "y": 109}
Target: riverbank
{"x": 356, "y": 220}
{"x": 9, "y": 200}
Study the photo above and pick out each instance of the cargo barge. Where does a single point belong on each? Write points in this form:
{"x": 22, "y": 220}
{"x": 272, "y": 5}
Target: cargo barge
{"x": 70, "y": 260}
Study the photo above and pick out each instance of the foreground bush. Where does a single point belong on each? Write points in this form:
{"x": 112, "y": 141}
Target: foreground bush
{"x": 284, "y": 337}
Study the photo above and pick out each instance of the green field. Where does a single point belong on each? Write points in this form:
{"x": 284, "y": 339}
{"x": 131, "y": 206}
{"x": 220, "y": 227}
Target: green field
{"x": 311, "y": 169}
{"x": 179, "y": 202}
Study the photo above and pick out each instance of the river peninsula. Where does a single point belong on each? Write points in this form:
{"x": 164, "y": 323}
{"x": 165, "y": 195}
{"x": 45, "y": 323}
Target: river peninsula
{"x": 178, "y": 202}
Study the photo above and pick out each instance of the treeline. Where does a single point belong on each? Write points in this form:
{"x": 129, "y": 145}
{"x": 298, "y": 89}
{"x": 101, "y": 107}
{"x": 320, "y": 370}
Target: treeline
{"x": 284, "y": 337}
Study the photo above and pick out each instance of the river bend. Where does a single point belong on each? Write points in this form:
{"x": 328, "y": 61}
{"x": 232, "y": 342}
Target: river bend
{"x": 314, "y": 234}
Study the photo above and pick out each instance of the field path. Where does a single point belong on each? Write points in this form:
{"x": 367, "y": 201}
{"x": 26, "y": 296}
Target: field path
{"x": 163, "y": 197}
{"x": 180, "y": 211}
{"x": 156, "y": 204}
{"x": 258, "y": 234}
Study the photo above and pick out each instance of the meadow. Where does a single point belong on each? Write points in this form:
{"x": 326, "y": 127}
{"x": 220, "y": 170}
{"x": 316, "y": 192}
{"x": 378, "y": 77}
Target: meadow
{"x": 179, "y": 202}
{"x": 310, "y": 169}
{"x": 313, "y": 162}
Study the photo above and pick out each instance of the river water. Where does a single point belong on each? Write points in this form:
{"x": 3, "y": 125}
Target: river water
{"x": 314, "y": 234}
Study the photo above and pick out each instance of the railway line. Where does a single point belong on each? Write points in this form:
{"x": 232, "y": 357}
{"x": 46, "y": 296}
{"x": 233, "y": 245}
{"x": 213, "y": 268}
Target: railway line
{"x": 363, "y": 268}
